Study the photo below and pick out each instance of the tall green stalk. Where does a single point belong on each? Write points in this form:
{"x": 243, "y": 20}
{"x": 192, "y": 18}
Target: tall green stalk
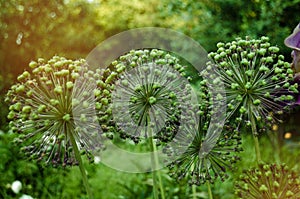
{"x": 81, "y": 166}
{"x": 156, "y": 173}
{"x": 194, "y": 191}
{"x": 255, "y": 138}
{"x": 153, "y": 166}
{"x": 210, "y": 196}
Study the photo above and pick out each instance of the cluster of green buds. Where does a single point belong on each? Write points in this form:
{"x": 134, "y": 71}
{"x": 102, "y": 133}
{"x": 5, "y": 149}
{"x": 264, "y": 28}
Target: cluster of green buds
{"x": 51, "y": 107}
{"x": 258, "y": 82}
{"x": 203, "y": 155}
{"x": 142, "y": 90}
{"x": 268, "y": 181}
{"x": 197, "y": 164}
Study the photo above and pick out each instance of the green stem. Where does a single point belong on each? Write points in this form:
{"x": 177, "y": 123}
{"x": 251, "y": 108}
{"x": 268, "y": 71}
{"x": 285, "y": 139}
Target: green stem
{"x": 210, "y": 196}
{"x": 156, "y": 173}
{"x": 161, "y": 187}
{"x": 194, "y": 191}
{"x": 255, "y": 137}
{"x": 81, "y": 166}
{"x": 153, "y": 165}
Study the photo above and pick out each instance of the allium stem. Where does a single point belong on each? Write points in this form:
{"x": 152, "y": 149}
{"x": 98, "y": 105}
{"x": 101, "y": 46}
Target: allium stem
{"x": 255, "y": 137}
{"x": 210, "y": 196}
{"x": 81, "y": 166}
{"x": 153, "y": 162}
{"x": 194, "y": 191}
{"x": 155, "y": 173}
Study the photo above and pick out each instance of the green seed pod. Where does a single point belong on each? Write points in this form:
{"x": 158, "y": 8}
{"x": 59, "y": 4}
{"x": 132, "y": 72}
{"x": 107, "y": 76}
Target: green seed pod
{"x": 75, "y": 75}
{"x": 58, "y": 90}
{"x": 263, "y": 68}
{"x": 257, "y": 102}
{"x": 220, "y": 44}
{"x": 104, "y": 101}
{"x": 243, "y": 110}
{"x": 249, "y": 72}
{"x": 289, "y": 193}
{"x": 17, "y": 106}
{"x": 251, "y": 55}
{"x": 273, "y": 49}
{"x": 152, "y": 100}
{"x": 262, "y": 51}
{"x": 69, "y": 85}
{"x": 85, "y": 104}
{"x": 26, "y": 109}
{"x": 20, "y": 88}
{"x": 97, "y": 92}
{"x": 83, "y": 118}
{"x": 229, "y": 72}
{"x": 54, "y": 102}
{"x": 106, "y": 92}
{"x": 33, "y": 64}
{"x": 11, "y": 115}
{"x": 263, "y": 188}
{"x": 41, "y": 108}
{"x": 278, "y": 70}
{"x": 248, "y": 85}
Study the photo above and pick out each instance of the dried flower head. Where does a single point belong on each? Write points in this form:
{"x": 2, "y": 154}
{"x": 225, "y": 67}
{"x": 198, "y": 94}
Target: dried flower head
{"x": 142, "y": 90}
{"x": 256, "y": 79}
{"x": 51, "y": 110}
{"x": 268, "y": 181}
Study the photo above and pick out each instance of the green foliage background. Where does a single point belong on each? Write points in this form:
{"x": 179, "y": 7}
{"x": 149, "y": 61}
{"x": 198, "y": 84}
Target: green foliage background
{"x": 72, "y": 28}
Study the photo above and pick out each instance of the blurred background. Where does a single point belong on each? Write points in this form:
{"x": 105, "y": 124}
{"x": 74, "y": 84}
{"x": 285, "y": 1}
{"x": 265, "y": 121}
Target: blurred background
{"x": 72, "y": 28}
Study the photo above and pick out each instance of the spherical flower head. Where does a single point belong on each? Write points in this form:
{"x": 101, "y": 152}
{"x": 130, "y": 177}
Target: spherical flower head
{"x": 268, "y": 181}
{"x": 142, "y": 90}
{"x": 256, "y": 79}
{"x": 203, "y": 154}
{"x": 48, "y": 110}
{"x": 199, "y": 165}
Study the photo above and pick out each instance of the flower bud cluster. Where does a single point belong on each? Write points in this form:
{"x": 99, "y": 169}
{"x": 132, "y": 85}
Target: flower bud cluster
{"x": 47, "y": 106}
{"x": 268, "y": 181}
{"x": 141, "y": 90}
{"x": 257, "y": 79}
{"x": 201, "y": 155}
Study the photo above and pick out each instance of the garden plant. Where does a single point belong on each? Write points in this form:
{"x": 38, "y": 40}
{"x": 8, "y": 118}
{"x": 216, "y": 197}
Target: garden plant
{"x": 201, "y": 126}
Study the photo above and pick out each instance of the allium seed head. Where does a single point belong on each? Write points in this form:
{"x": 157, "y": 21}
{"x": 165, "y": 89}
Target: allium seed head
{"x": 43, "y": 111}
{"x": 268, "y": 181}
{"x": 257, "y": 80}
{"x": 141, "y": 91}
{"x": 201, "y": 153}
